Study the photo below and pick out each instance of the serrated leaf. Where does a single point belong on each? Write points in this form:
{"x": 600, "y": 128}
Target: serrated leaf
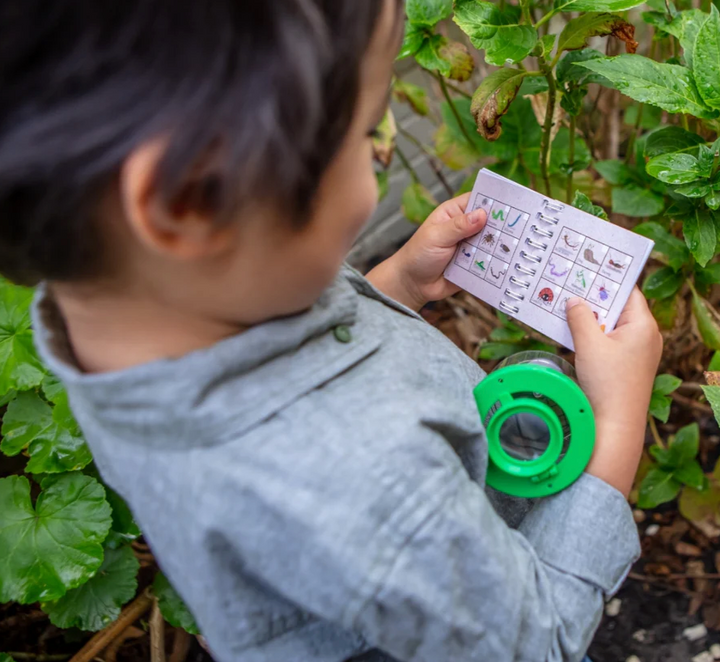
{"x": 172, "y": 607}
{"x": 581, "y": 201}
{"x": 461, "y": 62}
{"x": 615, "y": 172}
{"x": 671, "y": 139}
{"x": 685, "y": 26}
{"x": 412, "y": 94}
{"x": 576, "y": 33}
{"x": 428, "y": 12}
{"x": 50, "y": 435}
{"x": 494, "y": 31}
{"x": 712, "y": 393}
{"x": 665, "y": 243}
{"x": 493, "y": 351}
{"x": 658, "y": 487}
{"x": 384, "y": 139}
{"x": 668, "y": 86}
{"x": 707, "y": 322}
{"x": 636, "y": 201}
{"x": 429, "y": 55}
{"x": 569, "y": 73}
{"x": 691, "y": 474}
{"x": 666, "y": 384}
{"x": 675, "y": 168}
{"x": 596, "y": 5}
{"x": 418, "y": 203}
{"x": 706, "y": 59}
{"x": 55, "y": 546}
{"x": 98, "y": 602}
{"x": 492, "y": 100}
{"x": 700, "y": 235}
{"x": 20, "y": 368}
{"x": 663, "y": 283}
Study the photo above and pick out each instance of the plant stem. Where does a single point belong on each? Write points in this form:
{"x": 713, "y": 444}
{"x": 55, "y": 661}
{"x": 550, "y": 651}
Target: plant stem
{"x": 461, "y": 92}
{"x": 634, "y": 135}
{"x": 655, "y": 433}
{"x": 431, "y": 160}
{"x": 525, "y": 7}
{"x": 547, "y": 128}
{"x": 453, "y": 108}
{"x": 685, "y": 123}
{"x": 545, "y": 18}
{"x": 571, "y": 159}
{"x": 406, "y": 164}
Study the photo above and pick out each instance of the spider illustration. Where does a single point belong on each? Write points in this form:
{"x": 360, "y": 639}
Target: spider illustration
{"x": 547, "y": 295}
{"x": 489, "y": 239}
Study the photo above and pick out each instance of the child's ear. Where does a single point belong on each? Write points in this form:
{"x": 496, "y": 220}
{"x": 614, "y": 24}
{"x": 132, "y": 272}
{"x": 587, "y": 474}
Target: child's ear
{"x": 185, "y": 228}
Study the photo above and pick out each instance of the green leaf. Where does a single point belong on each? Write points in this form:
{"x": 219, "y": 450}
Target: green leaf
{"x": 569, "y": 73}
{"x": 707, "y": 322}
{"x": 461, "y": 62}
{"x": 663, "y": 283}
{"x": 697, "y": 189}
{"x": 674, "y": 249}
{"x": 665, "y": 312}
{"x": 413, "y": 40}
{"x": 659, "y": 486}
{"x": 173, "y": 609}
{"x": 53, "y": 389}
{"x": 712, "y": 200}
{"x": 50, "y": 435}
{"x": 706, "y": 59}
{"x": 686, "y": 444}
{"x": 55, "y": 546}
{"x": 507, "y": 334}
{"x": 98, "y": 602}
{"x": 700, "y": 505}
{"x": 691, "y": 474}
{"x": 453, "y": 151}
{"x": 428, "y": 12}
{"x": 660, "y": 407}
{"x": 545, "y": 46}
{"x": 493, "y": 98}
{"x": 581, "y": 201}
{"x": 651, "y": 116}
{"x": 685, "y": 26}
{"x": 4, "y": 657}
{"x": 429, "y": 55}
{"x": 412, "y": 94}
{"x": 418, "y": 203}
{"x": 482, "y": 147}
{"x": 615, "y": 172}
{"x": 20, "y": 368}
{"x": 671, "y": 139}
{"x": 576, "y": 33}
{"x": 666, "y": 384}
{"x": 383, "y": 183}
{"x": 668, "y": 86}
{"x": 560, "y": 155}
{"x": 493, "y": 351}
{"x": 706, "y": 277}
{"x": 676, "y": 168}
{"x": 700, "y": 235}
{"x": 712, "y": 393}
{"x": 497, "y": 33}
{"x": 596, "y": 5}
{"x": 636, "y": 201}
{"x": 714, "y": 366}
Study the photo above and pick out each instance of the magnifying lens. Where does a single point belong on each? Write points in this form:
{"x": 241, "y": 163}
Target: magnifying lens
{"x": 539, "y": 423}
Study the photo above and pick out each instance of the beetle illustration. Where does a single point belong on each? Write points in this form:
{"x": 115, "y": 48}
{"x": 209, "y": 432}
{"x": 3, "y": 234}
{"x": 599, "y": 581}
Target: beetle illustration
{"x": 505, "y": 248}
{"x": 547, "y": 295}
{"x": 603, "y": 293}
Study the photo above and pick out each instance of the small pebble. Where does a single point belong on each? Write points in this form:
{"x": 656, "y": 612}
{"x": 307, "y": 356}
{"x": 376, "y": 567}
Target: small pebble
{"x": 612, "y": 608}
{"x": 695, "y": 632}
{"x": 705, "y": 656}
{"x": 652, "y": 529}
{"x": 639, "y": 635}
{"x": 639, "y": 516}
{"x": 633, "y": 658}
{"x": 715, "y": 651}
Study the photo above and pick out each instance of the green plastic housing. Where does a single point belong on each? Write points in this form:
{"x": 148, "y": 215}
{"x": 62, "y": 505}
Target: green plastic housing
{"x": 503, "y": 394}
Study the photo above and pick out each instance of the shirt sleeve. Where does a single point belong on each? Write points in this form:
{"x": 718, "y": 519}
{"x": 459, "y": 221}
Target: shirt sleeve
{"x": 414, "y": 559}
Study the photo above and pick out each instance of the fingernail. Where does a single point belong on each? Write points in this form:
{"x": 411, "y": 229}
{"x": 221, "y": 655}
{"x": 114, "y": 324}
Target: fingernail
{"x": 571, "y": 303}
{"x": 476, "y": 216}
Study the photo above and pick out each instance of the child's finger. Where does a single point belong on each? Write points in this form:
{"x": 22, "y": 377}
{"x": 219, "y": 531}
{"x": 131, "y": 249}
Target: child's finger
{"x": 452, "y": 231}
{"x": 636, "y": 310}
{"x": 583, "y": 325}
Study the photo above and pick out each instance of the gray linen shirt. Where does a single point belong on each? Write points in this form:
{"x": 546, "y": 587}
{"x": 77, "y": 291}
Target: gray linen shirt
{"x": 314, "y": 499}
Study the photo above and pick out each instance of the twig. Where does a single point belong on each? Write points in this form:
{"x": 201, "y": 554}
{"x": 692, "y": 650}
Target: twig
{"x": 460, "y": 91}
{"x": 571, "y": 158}
{"x": 103, "y": 638}
{"x": 666, "y": 584}
{"x": 113, "y": 649}
{"x": 547, "y": 129}
{"x": 655, "y": 433}
{"x": 431, "y": 160}
{"x": 691, "y": 386}
{"x": 14, "y": 621}
{"x": 157, "y": 634}
{"x": 181, "y": 646}
{"x": 406, "y": 164}
{"x": 453, "y": 108}
{"x": 693, "y": 404}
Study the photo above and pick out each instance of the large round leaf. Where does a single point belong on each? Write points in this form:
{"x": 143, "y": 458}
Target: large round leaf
{"x": 98, "y": 601}
{"x": 173, "y": 609}
{"x": 55, "y": 546}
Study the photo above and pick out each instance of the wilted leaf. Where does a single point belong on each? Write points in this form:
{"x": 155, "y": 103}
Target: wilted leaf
{"x": 493, "y": 98}
{"x": 172, "y": 607}
{"x": 707, "y": 322}
{"x": 667, "y": 86}
{"x": 658, "y": 487}
{"x": 428, "y": 12}
{"x": 461, "y": 62}
{"x": 663, "y": 283}
{"x": 665, "y": 243}
{"x": 700, "y": 235}
{"x": 412, "y": 94}
{"x": 576, "y": 33}
{"x": 384, "y": 139}
{"x": 55, "y": 546}
{"x": 418, "y": 203}
{"x": 98, "y": 601}
{"x": 701, "y": 505}
{"x": 706, "y": 59}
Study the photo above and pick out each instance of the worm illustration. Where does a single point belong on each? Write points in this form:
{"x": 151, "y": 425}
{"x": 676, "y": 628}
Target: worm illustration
{"x": 555, "y": 273}
{"x": 566, "y": 239}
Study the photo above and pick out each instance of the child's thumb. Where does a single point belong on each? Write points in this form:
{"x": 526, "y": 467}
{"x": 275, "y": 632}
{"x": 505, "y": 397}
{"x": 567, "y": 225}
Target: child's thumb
{"x": 583, "y": 324}
{"x": 460, "y": 227}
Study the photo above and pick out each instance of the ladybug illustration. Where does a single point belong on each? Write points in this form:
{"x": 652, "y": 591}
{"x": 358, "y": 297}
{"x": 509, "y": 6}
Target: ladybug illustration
{"x": 547, "y": 295}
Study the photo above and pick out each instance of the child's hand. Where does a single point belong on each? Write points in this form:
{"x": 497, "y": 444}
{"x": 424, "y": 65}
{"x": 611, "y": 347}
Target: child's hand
{"x": 617, "y": 371}
{"x": 414, "y": 275}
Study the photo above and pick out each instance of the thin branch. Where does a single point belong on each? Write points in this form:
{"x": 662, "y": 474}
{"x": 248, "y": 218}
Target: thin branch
{"x": 406, "y": 164}
{"x": 157, "y": 634}
{"x": 181, "y": 646}
{"x": 571, "y": 159}
{"x": 547, "y": 128}
{"x": 655, "y": 433}
{"x": 431, "y": 160}
{"x": 460, "y": 91}
{"x": 453, "y": 108}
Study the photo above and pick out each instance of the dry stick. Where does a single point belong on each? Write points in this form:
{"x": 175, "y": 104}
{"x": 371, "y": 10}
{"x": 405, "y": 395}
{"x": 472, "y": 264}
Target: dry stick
{"x": 431, "y": 160}
{"x": 666, "y": 584}
{"x": 181, "y": 646}
{"x": 157, "y": 634}
{"x": 693, "y": 404}
{"x": 103, "y": 638}
{"x": 113, "y": 649}
{"x": 655, "y": 433}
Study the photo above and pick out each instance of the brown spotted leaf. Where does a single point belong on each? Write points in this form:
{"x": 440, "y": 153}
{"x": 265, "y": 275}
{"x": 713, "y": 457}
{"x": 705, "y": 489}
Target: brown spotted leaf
{"x": 576, "y": 33}
{"x": 384, "y": 140}
{"x": 461, "y": 62}
{"x": 492, "y": 100}
{"x": 712, "y": 378}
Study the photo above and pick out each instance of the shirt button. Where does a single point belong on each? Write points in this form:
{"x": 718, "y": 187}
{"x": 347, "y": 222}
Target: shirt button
{"x": 342, "y": 334}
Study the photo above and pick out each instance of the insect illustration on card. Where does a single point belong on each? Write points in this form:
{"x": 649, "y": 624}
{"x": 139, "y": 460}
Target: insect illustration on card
{"x": 466, "y": 252}
{"x": 488, "y": 239}
{"x": 505, "y": 248}
{"x": 568, "y": 243}
{"x": 616, "y": 265}
{"x": 580, "y": 278}
{"x": 558, "y": 274}
{"x": 546, "y": 295}
{"x": 498, "y": 275}
{"x": 603, "y": 294}
{"x": 480, "y": 264}
{"x": 590, "y": 256}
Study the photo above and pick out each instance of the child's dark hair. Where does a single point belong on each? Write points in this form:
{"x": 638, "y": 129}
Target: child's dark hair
{"x": 271, "y": 85}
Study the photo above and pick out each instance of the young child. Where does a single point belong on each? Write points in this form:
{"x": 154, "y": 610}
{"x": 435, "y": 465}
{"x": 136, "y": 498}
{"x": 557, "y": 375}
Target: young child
{"x": 300, "y": 448}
